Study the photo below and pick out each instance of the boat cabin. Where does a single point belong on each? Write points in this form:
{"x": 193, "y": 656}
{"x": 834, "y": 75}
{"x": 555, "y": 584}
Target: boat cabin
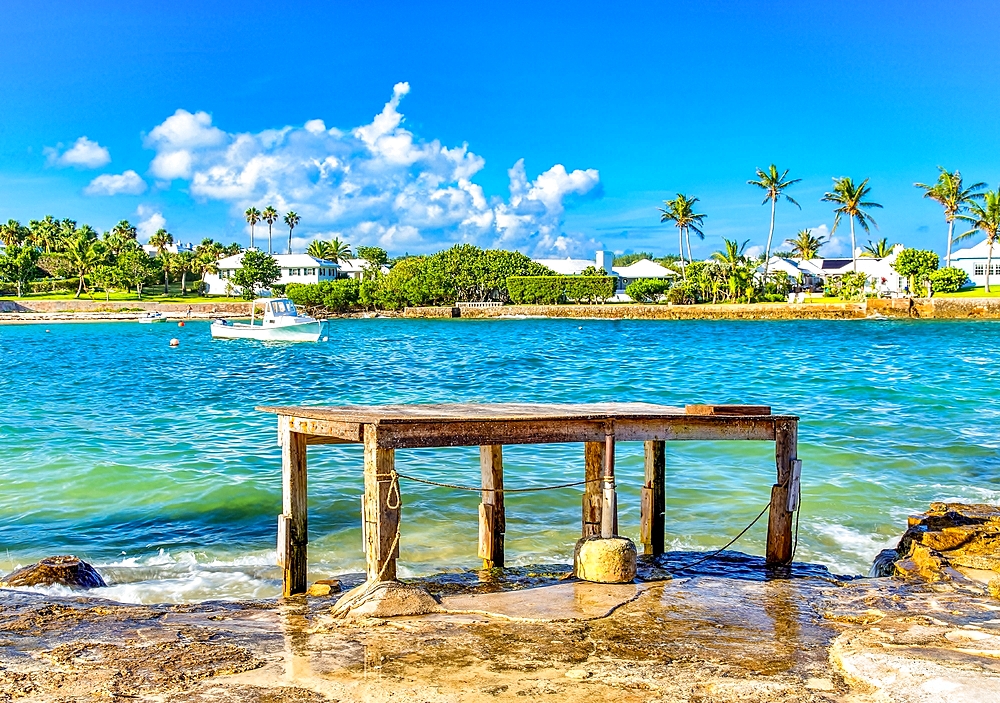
{"x": 274, "y": 310}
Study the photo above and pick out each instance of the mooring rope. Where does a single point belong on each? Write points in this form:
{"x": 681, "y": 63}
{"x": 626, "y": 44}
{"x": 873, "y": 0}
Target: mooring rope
{"x": 394, "y": 501}
{"x": 729, "y": 544}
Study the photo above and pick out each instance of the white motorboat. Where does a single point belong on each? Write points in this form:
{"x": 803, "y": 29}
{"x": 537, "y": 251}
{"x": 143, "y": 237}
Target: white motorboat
{"x": 152, "y": 317}
{"x": 281, "y": 323}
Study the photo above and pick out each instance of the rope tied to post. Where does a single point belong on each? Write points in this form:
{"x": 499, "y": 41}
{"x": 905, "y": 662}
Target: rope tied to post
{"x": 344, "y": 607}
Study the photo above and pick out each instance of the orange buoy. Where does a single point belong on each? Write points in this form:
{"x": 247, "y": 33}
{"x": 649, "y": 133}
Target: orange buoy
{"x": 175, "y": 342}
{"x": 180, "y": 324}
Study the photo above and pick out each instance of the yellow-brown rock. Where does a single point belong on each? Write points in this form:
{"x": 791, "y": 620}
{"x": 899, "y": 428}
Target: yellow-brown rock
{"x": 324, "y": 587}
{"x": 950, "y": 539}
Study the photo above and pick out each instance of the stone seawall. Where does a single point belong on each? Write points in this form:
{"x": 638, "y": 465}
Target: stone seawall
{"x": 758, "y": 311}
{"x": 915, "y": 308}
{"x": 100, "y": 306}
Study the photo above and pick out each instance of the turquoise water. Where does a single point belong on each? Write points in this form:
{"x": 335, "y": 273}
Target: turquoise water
{"x": 152, "y": 463}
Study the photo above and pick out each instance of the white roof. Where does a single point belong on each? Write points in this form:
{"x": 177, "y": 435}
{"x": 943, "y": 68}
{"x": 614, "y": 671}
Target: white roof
{"x": 979, "y": 250}
{"x": 357, "y": 266}
{"x": 644, "y": 268}
{"x": 567, "y": 266}
{"x": 284, "y": 261}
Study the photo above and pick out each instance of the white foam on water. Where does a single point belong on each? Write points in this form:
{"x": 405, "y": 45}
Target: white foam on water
{"x": 842, "y": 549}
{"x": 185, "y": 577}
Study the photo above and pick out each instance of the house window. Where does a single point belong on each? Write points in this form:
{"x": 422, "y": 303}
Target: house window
{"x": 979, "y": 270}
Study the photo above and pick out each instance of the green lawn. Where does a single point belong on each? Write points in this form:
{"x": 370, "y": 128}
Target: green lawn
{"x": 153, "y": 294}
{"x": 978, "y": 292}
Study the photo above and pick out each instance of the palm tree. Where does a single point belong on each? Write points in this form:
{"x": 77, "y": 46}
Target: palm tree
{"x": 13, "y": 233}
{"x": 83, "y": 253}
{"x": 805, "y": 245}
{"x": 680, "y": 211}
{"x": 184, "y": 263}
{"x": 879, "y": 249}
{"x": 270, "y": 216}
{"x": 730, "y": 258}
{"x": 162, "y": 239}
{"x": 319, "y": 249}
{"x": 253, "y": 217}
{"x": 339, "y": 251}
{"x": 948, "y": 191}
{"x": 773, "y": 184}
{"x": 851, "y": 200}
{"x": 121, "y": 236}
{"x": 291, "y": 219}
{"x": 45, "y": 233}
{"x": 206, "y": 260}
{"x": 984, "y": 217}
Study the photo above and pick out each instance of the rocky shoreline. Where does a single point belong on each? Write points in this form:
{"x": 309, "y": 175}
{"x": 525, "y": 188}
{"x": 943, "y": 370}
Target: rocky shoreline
{"x": 718, "y": 634}
{"x": 13, "y": 311}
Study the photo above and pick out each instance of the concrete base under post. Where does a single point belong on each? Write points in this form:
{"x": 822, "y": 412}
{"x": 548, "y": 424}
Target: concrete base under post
{"x": 385, "y": 599}
{"x": 605, "y": 560}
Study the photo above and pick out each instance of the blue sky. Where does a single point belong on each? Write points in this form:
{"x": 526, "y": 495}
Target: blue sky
{"x": 611, "y": 107}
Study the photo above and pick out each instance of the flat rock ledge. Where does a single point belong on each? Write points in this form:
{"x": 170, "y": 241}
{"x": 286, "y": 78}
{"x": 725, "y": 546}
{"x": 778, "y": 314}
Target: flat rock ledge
{"x": 950, "y": 542}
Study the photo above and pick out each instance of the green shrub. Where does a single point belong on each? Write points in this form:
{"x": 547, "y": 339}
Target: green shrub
{"x": 647, "y": 290}
{"x": 917, "y": 265}
{"x": 549, "y": 290}
{"x": 325, "y": 297}
{"x": 949, "y": 280}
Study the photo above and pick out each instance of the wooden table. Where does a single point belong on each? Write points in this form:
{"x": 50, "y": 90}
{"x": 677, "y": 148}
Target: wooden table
{"x": 384, "y": 429}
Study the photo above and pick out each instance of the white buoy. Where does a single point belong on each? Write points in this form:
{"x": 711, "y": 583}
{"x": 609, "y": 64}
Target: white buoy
{"x": 175, "y": 342}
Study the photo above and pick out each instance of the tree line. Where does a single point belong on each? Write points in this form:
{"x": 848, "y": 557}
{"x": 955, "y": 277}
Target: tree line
{"x": 62, "y": 249}
{"x": 969, "y": 203}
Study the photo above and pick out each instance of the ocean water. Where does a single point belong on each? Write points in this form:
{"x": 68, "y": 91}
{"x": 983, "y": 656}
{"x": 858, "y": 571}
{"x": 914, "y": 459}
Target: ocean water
{"x": 151, "y": 462}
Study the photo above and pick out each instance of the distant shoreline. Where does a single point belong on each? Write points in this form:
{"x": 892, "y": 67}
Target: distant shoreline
{"x": 30, "y": 311}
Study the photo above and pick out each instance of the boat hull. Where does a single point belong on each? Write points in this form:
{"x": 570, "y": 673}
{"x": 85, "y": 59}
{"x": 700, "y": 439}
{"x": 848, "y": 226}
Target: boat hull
{"x": 305, "y": 332}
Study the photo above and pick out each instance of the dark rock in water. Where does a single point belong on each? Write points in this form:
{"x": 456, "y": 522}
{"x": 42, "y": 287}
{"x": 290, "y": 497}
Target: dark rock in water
{"x": 884, "y": 564}
{"x": 65, "y": 570}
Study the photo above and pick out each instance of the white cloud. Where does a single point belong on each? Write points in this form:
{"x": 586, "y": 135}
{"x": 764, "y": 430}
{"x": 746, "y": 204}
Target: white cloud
{"x": 176, "y": 137}
{"x": 837, "y": 245}
{"x": 127, "y": 183}
{"x": 374, "y": 184}
{"x": 152, "y": 221}
{"x": 83, "y": 154}
{"x": 754, "y": 251}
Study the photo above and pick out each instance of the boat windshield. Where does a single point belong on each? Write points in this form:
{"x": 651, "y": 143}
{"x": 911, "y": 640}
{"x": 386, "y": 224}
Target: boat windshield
{"x": 283, "y": 307}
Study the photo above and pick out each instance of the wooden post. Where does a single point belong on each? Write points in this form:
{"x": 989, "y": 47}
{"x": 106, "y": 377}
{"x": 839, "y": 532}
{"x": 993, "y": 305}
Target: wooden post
{"x": 492, "y": 517}
{"x": 654, "y": 500}
{"x": 382, "y": 504}
{"x": 593, "y": 453}
{"x": 609, "y": 502}
{"x": 293, "y": 530}
{"x": 779, "y": 523}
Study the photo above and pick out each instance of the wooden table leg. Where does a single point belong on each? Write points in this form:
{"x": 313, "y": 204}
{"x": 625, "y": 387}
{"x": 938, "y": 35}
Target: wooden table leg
{"x": 492, "y": 515}
{"x": 779, "y": 523}
{"x": 382, "y": 505}
{"x": 652, "y": 519}
{"x": 293, "y": 530}
{"x": 592, "y": 492}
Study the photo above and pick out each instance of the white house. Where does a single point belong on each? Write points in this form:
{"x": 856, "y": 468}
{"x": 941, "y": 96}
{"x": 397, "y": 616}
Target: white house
{"x": 973, "y": 261}
{"x": 643, "y": 268}
{"x": 355, "y": 268}
{"x": 174, "y": 248}
{"x": 573, "y": 267}
{"x": 603, "y": 261}
{"x": 295, "y": 268}
{"x": 883, "y": 279}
